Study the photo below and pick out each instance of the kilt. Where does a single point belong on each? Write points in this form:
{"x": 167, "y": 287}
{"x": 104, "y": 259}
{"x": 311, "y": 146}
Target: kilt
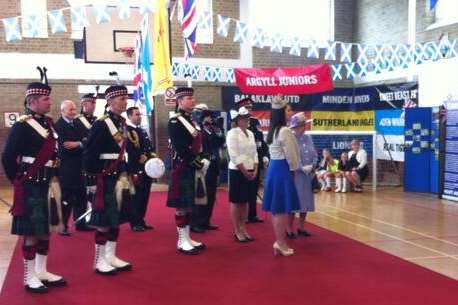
{"x": 35, "y": 221}
{"x": 111, "y": 216}
{"x": 181, "y": 193}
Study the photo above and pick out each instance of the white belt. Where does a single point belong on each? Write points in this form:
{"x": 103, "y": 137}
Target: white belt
{"x": 30, "y": 160}
{"x": 109, "y": 156}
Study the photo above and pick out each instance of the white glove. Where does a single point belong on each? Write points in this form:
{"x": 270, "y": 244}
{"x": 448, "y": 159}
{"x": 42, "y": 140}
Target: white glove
{"x": 307, "y": 169}
{"x": 206, "y": 163}
{"x": 265, "y": 160}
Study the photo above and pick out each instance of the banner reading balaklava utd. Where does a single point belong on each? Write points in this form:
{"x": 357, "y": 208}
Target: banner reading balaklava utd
{"x": 291, "y": 80}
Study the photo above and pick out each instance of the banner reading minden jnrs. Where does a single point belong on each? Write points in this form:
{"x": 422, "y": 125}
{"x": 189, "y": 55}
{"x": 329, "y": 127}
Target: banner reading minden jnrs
{"x": 343, "y": 120}
{"x": 291, "y": 80}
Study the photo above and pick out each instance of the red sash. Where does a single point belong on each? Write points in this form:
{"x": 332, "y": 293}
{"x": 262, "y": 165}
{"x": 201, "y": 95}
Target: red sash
{"x": 44, "y": 155}
{"x": 99, "y": 202}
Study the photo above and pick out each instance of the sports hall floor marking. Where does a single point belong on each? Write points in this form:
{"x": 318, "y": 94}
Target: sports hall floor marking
{"x": 395, "y": 226}
{"x": 388, "y": 235}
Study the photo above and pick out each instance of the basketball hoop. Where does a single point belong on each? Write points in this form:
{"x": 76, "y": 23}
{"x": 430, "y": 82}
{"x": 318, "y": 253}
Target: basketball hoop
{"x": 128, "y": 52}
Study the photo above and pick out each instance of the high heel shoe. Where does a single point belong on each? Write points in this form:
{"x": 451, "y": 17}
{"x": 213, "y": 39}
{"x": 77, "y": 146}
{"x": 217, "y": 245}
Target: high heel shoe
{"x": 278, "y": 249}
{"x": 240, "y": 240}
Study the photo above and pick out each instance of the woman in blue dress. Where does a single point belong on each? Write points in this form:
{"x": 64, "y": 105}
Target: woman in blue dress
{"x": 303, "y": 175}
{"x": 280, "y": 196}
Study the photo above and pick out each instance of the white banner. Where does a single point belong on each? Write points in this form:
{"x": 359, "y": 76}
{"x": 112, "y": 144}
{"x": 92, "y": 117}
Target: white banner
{"x": 390, "y": 145}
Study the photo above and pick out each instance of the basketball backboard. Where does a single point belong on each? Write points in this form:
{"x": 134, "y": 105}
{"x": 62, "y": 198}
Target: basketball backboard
{"x": 104, "y": 41}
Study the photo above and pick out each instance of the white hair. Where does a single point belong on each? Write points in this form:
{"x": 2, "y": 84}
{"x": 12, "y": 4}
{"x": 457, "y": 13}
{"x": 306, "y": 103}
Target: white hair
{"x": 64, "y": 104}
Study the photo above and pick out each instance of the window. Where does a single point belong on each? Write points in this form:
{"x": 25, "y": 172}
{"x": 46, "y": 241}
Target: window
{"x": 204, "y": 32}
{"x": 446, "y": 12}
{"x": 39, "y": 11}
{"x": 305, "y": 19}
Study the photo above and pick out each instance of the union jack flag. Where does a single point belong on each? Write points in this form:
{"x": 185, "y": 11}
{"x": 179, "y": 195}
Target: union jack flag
{"x": 189, "y": 23}
{"x": 138, "y": 96}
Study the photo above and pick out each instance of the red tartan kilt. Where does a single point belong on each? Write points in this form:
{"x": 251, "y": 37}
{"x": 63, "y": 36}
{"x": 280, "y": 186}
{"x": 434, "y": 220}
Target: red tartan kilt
{"x": 181, "y": 186}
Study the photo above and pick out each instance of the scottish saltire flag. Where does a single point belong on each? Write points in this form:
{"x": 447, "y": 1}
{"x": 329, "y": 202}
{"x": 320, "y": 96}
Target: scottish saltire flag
{"x": 12, "y": 29}
{"x": 189, "y": 23}
{"x": 432, "y": 4}
{"x": 123, "y": 9}
{"x": 57, "y": 21}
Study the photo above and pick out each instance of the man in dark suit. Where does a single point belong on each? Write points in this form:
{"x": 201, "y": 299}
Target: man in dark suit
{"x": 139, "y": 150}
{"x": 70, "y": 136}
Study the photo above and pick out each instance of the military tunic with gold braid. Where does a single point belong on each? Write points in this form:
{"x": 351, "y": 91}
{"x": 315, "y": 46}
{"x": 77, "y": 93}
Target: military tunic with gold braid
{"x": 104, "y": 162}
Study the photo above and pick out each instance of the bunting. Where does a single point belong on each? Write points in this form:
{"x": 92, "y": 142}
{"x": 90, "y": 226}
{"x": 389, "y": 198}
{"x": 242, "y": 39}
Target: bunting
{"x": 223, "y": 26}
{"x": 57, "y": 21}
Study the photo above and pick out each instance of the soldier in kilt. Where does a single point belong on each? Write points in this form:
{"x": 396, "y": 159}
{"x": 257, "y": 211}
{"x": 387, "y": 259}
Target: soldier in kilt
{"x": 29, "y": 161}
{"x": 104, "y": 163}
{"x": 187, "y": 177}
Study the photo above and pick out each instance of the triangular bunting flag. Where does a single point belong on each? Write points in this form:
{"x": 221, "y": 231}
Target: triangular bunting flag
{"x": 276, "y": 43}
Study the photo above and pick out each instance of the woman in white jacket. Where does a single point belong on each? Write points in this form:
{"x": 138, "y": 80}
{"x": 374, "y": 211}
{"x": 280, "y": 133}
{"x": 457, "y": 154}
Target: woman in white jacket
{"x": 358, "y": 164}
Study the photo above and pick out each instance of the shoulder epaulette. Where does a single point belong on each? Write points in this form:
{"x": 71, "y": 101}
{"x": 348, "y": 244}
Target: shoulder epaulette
{"x": 24, "y": 118}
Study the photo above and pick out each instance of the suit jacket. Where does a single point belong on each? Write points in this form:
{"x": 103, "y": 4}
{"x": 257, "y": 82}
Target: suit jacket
{"x": 71, "y": 162}
{"x": 139, "y": 144}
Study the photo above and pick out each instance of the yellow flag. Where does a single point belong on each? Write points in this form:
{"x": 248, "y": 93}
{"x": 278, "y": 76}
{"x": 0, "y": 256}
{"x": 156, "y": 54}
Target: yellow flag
{"x": 162, "y": 69}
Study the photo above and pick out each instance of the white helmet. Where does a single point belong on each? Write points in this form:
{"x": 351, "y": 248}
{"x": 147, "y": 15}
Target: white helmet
{"x": 155, "y": 168}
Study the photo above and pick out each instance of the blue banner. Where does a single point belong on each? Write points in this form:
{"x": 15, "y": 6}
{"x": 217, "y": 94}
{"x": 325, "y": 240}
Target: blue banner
{"x": 341, "y": 99}
{"x": 451, "y": 156}
{"x": 390, "y": 122}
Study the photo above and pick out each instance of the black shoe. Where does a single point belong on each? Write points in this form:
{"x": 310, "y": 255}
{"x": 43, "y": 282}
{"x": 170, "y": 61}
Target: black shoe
{"x": 84, "y": 229}
{"x": 255, "y": 220}
{"x": 244, "y": 240}
{"x": 148, "y": 227}
{"x": 202, "y": 246}
{"x": 194, "y": 251}
{"x": 211, "y": 227}
{"x": 303, "y": 233}
{"x": 138, "y": 229}
{"x": 198, "y": 230}
{"x": 291, "y": 235}
{"x": 41, "y": 289}
{"x": 65, "y": 233}
{"x": 59, "y": 283}
{"x": 127, "y": 267}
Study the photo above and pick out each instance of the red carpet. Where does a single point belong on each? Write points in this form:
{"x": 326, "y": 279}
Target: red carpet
{"x": 328, "y": 269}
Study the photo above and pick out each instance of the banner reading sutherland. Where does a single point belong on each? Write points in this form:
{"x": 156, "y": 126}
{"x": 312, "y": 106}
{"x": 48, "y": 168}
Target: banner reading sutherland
{"x": 290, "y": 80}
{"x": 343, "y": 120}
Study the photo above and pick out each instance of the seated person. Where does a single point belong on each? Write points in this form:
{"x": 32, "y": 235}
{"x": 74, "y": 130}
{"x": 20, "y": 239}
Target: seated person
{"x": 342, "y": 170}
{"x": 326, "y": 170}
{"x": 358, "y": 164}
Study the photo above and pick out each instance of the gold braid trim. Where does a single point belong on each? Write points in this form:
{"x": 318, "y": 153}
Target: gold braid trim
{"x": 133, "y": 137}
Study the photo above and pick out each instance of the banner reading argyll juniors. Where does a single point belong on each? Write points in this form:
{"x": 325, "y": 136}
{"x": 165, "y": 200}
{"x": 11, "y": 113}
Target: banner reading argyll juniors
{"x": 343, "y": 120}
{"x": 291, "y": 80}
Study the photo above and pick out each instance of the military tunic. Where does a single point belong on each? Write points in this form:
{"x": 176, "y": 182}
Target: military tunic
{"x": 139, "y": 150}
{"x": 102, "y": 149}
{"x": 22, "y": 145}
{"x": 186, "y": 158}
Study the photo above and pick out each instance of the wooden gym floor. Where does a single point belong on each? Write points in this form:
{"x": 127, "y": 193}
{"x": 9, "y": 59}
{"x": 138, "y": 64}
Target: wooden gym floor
{"x": 416, "y": 227}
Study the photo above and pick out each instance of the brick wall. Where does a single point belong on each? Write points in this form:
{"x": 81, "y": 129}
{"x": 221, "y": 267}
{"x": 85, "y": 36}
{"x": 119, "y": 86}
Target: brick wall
{"x": 381, "y": 21}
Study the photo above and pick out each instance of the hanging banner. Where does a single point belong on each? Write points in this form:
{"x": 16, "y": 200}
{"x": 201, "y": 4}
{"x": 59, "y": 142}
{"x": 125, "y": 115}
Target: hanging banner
{"x": 397, "y": 96}
{"x": 341, "y": 99}
{"x": 390, "y": 147}
{"x": 348, "y": 121}
{"x": 231, "y": 95}
{"x": 264, "y": 119}
{"x": 451, "y": 156}
{"x": 390, "y": 122}
{"x": 290, "y": 80}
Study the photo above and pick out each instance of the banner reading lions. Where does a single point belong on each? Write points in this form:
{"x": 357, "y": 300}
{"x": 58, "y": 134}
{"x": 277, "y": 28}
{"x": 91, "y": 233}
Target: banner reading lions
{"x": 343, "y": 120}
{"x": 291, "y": 80}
